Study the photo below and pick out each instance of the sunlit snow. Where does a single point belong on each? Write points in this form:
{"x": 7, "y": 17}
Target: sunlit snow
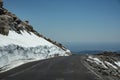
{"x": 118, "y": 63}
{"x": 25, "y": 39}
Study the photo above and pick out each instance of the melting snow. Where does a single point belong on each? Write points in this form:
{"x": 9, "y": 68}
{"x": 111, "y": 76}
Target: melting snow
{"x": 97, "y": 61}
{"x": 117, "y": 63}
{"x": 108, "y": 63}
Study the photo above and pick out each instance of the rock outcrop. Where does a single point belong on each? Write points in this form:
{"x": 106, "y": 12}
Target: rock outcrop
{"x": 106, "y": 64}
{"x": 1, "y": 3}
{"x": 4, "y": 25}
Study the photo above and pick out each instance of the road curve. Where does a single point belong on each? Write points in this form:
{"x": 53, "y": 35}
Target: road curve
{"x": 60, "y": 68}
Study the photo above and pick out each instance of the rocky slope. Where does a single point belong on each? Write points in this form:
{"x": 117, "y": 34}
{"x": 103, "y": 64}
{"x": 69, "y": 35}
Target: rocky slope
{"x": 20, "y": 43}
{"x": 106, "y": 65}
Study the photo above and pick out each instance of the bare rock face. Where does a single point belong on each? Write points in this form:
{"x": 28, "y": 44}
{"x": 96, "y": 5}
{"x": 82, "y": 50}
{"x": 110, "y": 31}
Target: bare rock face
{"x": 4, "y": 24}
{"x": 105, "y": 64}
{"x": 1, "y": 3}
{"x": 4, "y": 27}
{"x": 9, "y": 21}
{"x": 1, "y": 7}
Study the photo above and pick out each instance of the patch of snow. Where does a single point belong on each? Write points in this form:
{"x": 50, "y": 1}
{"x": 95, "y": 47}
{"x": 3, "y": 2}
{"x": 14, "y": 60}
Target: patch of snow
{"x": 96, "y": 60}
{"x": 25, "y": 39}
{"x": 90, "y": 60}
{"x": 118, "y": 63}
{"x": 68, "y": 51}
{"x": 110, "y": 64}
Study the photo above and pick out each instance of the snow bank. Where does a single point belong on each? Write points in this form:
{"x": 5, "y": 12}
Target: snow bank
{"x": 17, "y": 49}
{"x": 13, "y": 53}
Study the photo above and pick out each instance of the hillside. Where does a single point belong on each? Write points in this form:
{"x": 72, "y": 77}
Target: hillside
{"x": 21, "y": 43}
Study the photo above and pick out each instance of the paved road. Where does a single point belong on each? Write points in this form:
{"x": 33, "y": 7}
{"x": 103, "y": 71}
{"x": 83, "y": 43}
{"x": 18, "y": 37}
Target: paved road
{"x": 60, "y": 68}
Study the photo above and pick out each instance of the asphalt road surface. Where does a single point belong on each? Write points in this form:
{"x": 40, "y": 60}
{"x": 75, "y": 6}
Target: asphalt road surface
{"x": 60, "y": 68}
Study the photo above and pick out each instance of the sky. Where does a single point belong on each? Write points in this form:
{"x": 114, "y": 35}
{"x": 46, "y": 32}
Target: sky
{"x": 71, "y": 21}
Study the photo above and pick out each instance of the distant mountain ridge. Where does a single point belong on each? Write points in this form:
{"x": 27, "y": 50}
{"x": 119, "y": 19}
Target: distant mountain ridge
{"x": 92, "y": 52}
{"x": 88, "y": 52}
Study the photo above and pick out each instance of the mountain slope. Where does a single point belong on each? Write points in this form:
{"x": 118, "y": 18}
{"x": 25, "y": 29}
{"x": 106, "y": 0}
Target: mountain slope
{"x": 20, "y": 43}
{"x": 106, "y": 64}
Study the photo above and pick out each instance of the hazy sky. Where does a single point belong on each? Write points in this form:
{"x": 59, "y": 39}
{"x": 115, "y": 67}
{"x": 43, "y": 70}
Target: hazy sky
{"x": 83, "y": 21}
